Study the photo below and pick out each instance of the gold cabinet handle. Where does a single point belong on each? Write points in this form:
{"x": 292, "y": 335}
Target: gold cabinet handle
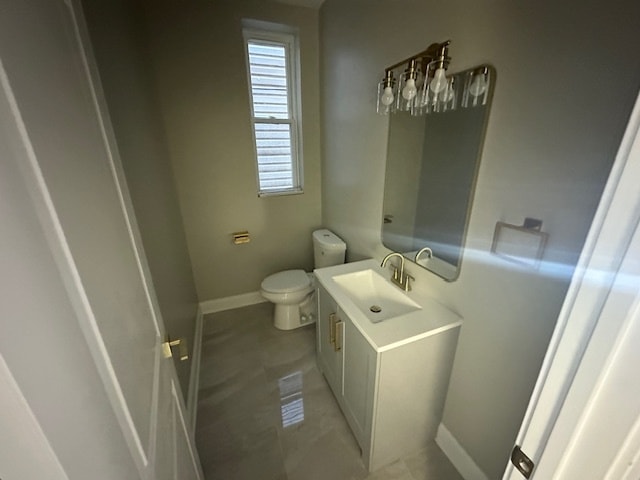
{"x": 181, "y": 343}
{"x": 339, "y": 329}
{"x": 332, "y": 328}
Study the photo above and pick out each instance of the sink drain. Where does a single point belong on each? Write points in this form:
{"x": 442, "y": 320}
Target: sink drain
{"x": 375, "y": 308}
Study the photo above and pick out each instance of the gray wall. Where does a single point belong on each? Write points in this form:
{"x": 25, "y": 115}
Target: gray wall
{"x": 118, "y": 39}
{"x": 198, "y": 53}
{"x": 566, "y": 83}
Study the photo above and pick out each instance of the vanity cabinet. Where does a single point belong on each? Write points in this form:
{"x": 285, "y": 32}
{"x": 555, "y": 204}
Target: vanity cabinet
{"x": 391, "y": 396}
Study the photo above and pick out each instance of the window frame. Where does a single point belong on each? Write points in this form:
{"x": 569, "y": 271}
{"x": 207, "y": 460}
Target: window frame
{"x": 267, "y": 33}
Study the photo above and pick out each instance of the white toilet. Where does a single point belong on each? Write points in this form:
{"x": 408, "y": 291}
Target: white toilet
{"x": 292, "y": 291}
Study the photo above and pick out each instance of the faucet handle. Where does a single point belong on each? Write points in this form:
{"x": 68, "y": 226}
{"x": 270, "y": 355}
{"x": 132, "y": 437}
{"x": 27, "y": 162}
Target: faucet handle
{"x": 396, "y": 273}
{"x": 407, "y": 282}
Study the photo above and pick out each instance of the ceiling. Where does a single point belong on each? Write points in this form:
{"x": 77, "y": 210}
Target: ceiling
{"x": 302, "y": 3}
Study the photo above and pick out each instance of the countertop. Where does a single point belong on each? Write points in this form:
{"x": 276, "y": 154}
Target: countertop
{"x": 432, "y": 319}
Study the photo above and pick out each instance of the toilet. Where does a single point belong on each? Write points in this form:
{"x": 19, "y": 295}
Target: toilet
{"x": 292, "y": 291}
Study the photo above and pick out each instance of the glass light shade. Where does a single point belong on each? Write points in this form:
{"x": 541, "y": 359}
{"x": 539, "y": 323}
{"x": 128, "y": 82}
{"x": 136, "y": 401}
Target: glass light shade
{"x": 447, "y": 99}
{"x": 444, "y": 100}
{"x": 476, "y": 88}
{"x": 446, "y": 95}
{"x": 428, "y": 98}
{"x": 478, "y": 85}
{"x": 385, "y": 102}
{"x": 407, "y": 92}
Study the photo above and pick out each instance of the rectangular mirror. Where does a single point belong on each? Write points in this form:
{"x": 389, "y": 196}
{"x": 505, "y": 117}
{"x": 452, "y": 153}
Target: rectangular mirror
{"x": 432, "y": 165}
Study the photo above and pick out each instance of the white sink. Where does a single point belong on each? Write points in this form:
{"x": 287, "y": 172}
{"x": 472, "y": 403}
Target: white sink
{"x": 375, "y": 296}
{"x": 405, "y": 317}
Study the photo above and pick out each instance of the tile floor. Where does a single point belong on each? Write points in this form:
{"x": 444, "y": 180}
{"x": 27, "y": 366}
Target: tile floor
{"x": 265, "y": 411}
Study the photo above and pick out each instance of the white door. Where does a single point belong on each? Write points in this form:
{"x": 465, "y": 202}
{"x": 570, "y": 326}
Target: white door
{"x": 78, "y": 189}
{"x": 583, "y": 419}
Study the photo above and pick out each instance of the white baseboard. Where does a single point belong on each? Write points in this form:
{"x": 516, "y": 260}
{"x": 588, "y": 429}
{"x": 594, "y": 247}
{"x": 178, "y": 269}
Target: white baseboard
{"x": 458, "y": 456}
{"x": 194, "y": 379}
{"x": 228, "y": 303}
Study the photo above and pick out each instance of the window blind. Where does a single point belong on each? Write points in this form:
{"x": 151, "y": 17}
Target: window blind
{"x": 271, "y": 106}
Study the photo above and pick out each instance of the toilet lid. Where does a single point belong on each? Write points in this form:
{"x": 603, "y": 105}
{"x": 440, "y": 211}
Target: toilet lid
{"x": 287, "y": 281}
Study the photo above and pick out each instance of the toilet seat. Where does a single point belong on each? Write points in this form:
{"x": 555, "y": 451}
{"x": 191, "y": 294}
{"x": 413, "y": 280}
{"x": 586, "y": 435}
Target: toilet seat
{"x": 287, "y": 281}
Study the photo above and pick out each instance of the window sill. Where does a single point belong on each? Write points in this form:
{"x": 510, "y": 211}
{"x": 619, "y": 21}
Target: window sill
{"x": 277, "y": 193}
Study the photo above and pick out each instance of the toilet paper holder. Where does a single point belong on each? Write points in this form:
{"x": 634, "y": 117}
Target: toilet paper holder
{"x": 241, "y": 237}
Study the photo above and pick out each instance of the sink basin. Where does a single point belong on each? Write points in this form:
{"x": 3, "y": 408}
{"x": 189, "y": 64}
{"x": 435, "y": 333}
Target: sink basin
{"x": 375, "y": 296}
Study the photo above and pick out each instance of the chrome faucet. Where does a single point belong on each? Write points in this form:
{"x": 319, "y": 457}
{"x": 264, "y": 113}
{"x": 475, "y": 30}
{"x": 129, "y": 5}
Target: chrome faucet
{"x": 399, "y": 278}
{"x": 423, "y": 250}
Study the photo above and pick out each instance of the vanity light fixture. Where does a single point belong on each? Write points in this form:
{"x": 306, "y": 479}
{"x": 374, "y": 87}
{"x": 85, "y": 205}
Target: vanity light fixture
{"x": 423, "y": 85}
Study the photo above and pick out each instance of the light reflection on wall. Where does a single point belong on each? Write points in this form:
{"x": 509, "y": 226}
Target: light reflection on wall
{"x": 291, "y": 404}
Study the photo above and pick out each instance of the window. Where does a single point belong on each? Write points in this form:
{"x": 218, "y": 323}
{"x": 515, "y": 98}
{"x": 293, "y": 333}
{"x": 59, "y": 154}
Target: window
{"x": 272, "y": 64}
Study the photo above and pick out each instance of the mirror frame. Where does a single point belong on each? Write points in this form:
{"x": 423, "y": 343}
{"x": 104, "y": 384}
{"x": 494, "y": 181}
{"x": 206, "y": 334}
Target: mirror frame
{"x": 443, "y": 269}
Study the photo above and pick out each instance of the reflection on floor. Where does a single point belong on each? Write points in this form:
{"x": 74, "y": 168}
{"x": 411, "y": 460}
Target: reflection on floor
{"x": 265, "y": 411}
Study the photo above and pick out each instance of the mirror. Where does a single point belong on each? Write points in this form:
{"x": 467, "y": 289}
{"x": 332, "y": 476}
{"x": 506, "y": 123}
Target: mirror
{"x": 432, "y": 164}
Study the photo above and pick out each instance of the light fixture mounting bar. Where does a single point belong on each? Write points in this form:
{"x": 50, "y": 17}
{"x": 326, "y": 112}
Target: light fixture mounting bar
{"x": 433, "y": 52}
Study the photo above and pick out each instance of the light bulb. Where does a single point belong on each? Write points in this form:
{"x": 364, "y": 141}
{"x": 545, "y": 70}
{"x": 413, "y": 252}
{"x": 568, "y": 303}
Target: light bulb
{"x": 410, "y": 91}
{"x": 439, "y": 81}
{"x": 447, "y": 94}
{"x": 478, "y": 85}
{"x": 387, "y": 96}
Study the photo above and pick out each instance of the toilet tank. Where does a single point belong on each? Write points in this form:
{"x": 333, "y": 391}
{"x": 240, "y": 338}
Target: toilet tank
{"x": 328, "y": 248}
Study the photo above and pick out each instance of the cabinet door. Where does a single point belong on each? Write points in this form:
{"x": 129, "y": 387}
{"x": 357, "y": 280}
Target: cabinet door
{"x": 330, "y": 333}
{"x": 359, "y": 382}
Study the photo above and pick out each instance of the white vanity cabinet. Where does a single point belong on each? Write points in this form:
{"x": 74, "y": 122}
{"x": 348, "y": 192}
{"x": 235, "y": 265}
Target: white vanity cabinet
{"x": 392, "y": 395}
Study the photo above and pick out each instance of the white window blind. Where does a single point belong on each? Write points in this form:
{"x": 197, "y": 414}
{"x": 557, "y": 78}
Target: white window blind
{"x": 273, "y": 89}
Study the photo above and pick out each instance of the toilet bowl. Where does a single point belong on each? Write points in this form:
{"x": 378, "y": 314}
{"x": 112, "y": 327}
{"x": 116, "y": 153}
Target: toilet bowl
{"x": 293, "y": 291}
{"x": 288, "y": 290}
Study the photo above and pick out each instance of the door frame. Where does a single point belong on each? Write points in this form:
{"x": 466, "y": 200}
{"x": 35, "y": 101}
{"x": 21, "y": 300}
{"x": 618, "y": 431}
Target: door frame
{"x": 566, "y": 391}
